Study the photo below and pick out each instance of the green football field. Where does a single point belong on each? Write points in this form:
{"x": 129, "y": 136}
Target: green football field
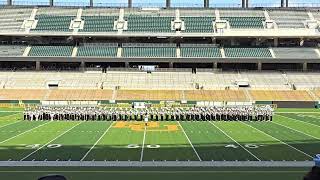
{"x": 293, "y": 136}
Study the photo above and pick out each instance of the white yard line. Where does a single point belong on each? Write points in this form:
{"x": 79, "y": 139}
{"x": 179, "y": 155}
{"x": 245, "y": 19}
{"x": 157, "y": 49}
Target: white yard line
{"x": 278, "y": 140}
{"x": 24, "y": 132}
{"x": 9, "y": 124}
{"x": 87, "y": 153}
{"x": 195, "y": 151}
{"x": 144, "y": 139}
{"x": 50, "y": 141}
{"x": 296, "y": 130}
{"x": 299, "y": 120}
{"x": 236, "y": 141}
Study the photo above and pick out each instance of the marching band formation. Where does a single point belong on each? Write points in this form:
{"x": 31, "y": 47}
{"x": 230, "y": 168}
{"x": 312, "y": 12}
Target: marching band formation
{"x": 214, "y": 113}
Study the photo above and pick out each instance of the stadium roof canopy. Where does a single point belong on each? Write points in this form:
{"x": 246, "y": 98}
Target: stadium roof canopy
{"x": 165, "y": 3}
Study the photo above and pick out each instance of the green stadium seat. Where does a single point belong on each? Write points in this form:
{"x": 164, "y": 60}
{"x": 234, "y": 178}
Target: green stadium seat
{"x": 198, "y": 24}
{"x": 98, "y": 50}
{"x": 149, "y": 50}
{"x": 51, "y": 51}
{"x": 245, "y": 22}
{"x": 98, "y": 23}
{"x": 149, "y": 23}
{"x": 247, "y": 52}
{"x": 198, "y": 50}
{"x": 53, "y": 23}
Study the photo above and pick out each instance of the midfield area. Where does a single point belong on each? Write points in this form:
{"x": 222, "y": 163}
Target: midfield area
{"x": 290, "y": 137}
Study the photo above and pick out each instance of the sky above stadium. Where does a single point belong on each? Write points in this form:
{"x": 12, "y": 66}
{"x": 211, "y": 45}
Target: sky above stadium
{"x": 183, "y": 3}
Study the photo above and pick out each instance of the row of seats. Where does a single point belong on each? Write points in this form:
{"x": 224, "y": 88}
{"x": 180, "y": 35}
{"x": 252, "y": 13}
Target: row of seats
{"x": 169, "y": 50}
{"x": 245, "y": 22}
{"x": 53, "y": 23}
{"x": 190, "y": 95}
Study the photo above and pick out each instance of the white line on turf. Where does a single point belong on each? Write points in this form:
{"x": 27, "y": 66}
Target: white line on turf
{"x": 296, "y": 130}
{"x": 24, "y": 132}
{"x": 144, "y": 139}
{"x": 96, "y": 142}
{"x": 299, "y": 120}
{"x": 190, "y": 142}
{"x": 50, "y": 141}
{"x": 9, "y": 124}
{"x": 278, "y": 140}
{"x": 236, "y": 141}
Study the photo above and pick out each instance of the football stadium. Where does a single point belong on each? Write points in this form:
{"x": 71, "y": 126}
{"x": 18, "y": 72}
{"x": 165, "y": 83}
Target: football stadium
{"x": 159, "y": 89}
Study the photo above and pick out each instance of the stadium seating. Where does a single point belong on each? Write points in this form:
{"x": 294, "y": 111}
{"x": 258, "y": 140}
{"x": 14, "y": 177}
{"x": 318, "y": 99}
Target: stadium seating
{"x": 198, "y": 24}
{"x": 280, "y": 95}
{"x": 296, "y": 53}
{"x": 98, "y": 50}
{"x": 79, "y": 94}
{"x": 12, "y": 50}
{"x": 199, "y": 50}
{"x": 304, "y": 80}
{"x": 148, "y": 50}
{"x": 289, "y": 19}
{"x": 22, "y": 94}
{"x": 50, "y": 51}
{"x": 248, "y": 52}
{"x": 98, "y": 23}
{"x": 148, "y": 95}
{"x": 11, "y": 19}
{"x": 142, "y": 23}
{"x": 215, "y": 95}
{"x": 245, "y": 22}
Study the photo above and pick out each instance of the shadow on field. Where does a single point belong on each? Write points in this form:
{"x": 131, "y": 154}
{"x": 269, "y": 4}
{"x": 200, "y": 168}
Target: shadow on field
{"x": 160, "y": 152}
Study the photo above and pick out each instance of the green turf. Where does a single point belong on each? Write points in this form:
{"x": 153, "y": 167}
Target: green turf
{"x": 291, "y": 136}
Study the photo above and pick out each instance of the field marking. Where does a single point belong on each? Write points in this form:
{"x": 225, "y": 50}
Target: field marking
{"x": 9, "y": 124}
{"x": 278, "y": 140}
{"x": 105, "y": 132}
{"x": 50, "y": 141}
{"x": 235, "y": 141}
{"x": 296, "y": 130}
{"x": 153, "y": 171}
{"x": 195, "y": 151}
{"x": 143, "y": 141}
{"x": 24, "y": 132}
{"x": 10, "y": 115}
{"x": 299, "y": 120}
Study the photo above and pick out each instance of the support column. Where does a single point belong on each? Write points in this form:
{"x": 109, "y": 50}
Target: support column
{"x": 51, "y": 3}
{"x": 91, "y": 3}
{"x": 206, "y": 3}
{"x": 243, "y": 3}
{"x": 9, "y": 2}
{"x": 170, "y": 64}
{"x": 129, "y": 3}
{"x": 38, "y": 66}
{"x": 247, "y": 3}
{"x": 282, "y": 3}
{"x": 82, "y": 66}
{"x": 168, "y": 3}
{"x": 305, "y": 66}
{"x": 287, "y": 3}
{"x": 126, "y": 65}
{"x": 275, "y": 42}
{"x": 215, "y": 65}
{"x": 259, "y": 66}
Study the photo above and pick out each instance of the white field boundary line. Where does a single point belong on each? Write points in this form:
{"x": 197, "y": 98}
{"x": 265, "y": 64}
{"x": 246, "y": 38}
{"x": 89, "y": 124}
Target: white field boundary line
{"x": 156, "y": 164}
{"x": 195, "y": 151}
{"x": 94, "y": 145}
{"x": 60, "y": 135}
{"x": 296, "y": 112}
{"x": 296, "y": 130}
{"x": 279, "y": 140}
{"x": 24, "y": 132}
{"x": 143, "y": 141}
{"x": 10, "y": 124}
{"x": 236, "y": 142}
{"x": 299, "y": 120}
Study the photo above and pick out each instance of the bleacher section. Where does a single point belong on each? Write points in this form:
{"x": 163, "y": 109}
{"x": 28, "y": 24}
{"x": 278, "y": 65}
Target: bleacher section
{"x": 149, "y": 21}
{"x": 305, "y": 80}
{"x": 279, "y": 95}
{"x": 215, "y": 95}
{"x": 11, "y": 19}
{"x": 296, "y": 53}
{"x": 289, "y": 19}
{"x": 12, "y": 50}
{"x": 198, "y": 24}
{"x": 199, "y": 50}
{"x": 98, "y": 50}
{"x": 51, "y": 51}
{"x": 243, "y": 19}
{"x": 148, "y": 50}
{"x": 54, "y": 19}
{"x": 99, "y": 20}
{"x": 149, "y": 95}
{"x": 247, "y": 52}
